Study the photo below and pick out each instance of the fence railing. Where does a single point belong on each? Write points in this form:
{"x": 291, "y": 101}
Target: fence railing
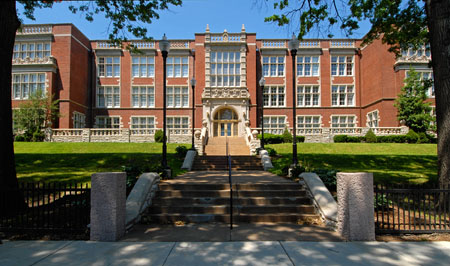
{"x": 411, "y": 209}
{"x": 45, "y": 207}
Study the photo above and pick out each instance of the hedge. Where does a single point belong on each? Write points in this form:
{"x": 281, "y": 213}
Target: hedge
{"x": 411, "y": 137}
{"x": 276, "y": 139}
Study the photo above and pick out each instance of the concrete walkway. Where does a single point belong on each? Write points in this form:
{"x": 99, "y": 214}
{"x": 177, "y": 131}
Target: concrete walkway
{"x": 223, "y": 253}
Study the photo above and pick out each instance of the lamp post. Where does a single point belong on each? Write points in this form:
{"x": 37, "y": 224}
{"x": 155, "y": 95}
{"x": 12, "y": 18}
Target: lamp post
{"x": 193, "y": 82}
{"x": 293, "y": 46}
{"x": 164, "y": 45}
{"x": 262, "y": 82}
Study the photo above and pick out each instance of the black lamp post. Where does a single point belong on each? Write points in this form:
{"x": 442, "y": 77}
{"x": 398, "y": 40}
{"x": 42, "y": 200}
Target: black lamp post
{"x": 164, "y": 45}
{"x": 193, "y": 82}
{"x": 262, "y": 82}
{"x": 293, "y": 46}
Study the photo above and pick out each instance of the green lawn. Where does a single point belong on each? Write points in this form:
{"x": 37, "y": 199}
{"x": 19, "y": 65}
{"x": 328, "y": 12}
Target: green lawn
{"x": 76, "y": 162}
{"x": 389, "y": 162}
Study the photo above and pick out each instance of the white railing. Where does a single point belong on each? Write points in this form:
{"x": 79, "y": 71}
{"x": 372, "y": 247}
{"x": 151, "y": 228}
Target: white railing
{"x": 309, "y": 44}
{"x": 179, "y": 131}
{"x": 35, "y": 29}
{"x": 68, "y": 132}
{"x": 143, "y": 44}
{"x": 248, "y": 135}
{"x": 225, "y": 37}
{"x": 309, "y": 131}
{"x": 274, "y": 44}
{"x": 142, "y": 131}
{"x": 342, "y": 43}
{"x": 388, "y": 131}
{"x": 345, "y": 130}
{"x": 105, "y": 132}
{"x": 179, "y": 44}
{"x": 106, "y": 45}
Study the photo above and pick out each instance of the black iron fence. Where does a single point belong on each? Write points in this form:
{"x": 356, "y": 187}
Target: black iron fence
{"x": 411, "y": 209}
{"x": 45, "y": 207}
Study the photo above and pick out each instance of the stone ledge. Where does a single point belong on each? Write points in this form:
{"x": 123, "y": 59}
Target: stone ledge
{"x": 189, "y": 160}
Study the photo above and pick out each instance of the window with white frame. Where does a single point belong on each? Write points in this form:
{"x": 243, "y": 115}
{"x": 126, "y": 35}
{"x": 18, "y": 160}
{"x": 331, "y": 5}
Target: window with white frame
{"x": 342, "y": 65}
{"x": 423, "y": 50}
{"x": 107, "y": 121}
{"x": 143, "y": 66}
{"x": 373, "y": 119}
{"x": 308, "y": 66}
{"x": 308, "y": 95}
{"x": 177, "y": 97}
{"x": 225, "y": 69}
{"x": 143, "y": 96}
{"x": 108, "y": 66}
{"x": 108, "y": 96}
{"x": 274, "y": 124}
{"x": 426, "y": 75}
{"x": 273, "y": 66}
{"x": 143, "y": 124}
{"x": 342, "y": 95}
{"x": 79, "y": 120}
{"x": 26, "y": 84}
{"x": 273, "y": 96}
{"x": 31, "y": 49}
{"x": 342, "y": 121}
{"x": 178, "y": 124}
{"x": 308, "y": 124}
{"x": 177, "y": 67}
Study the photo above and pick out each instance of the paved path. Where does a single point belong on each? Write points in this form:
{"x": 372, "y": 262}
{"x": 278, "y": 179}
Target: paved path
{"x": 223, "y": 253}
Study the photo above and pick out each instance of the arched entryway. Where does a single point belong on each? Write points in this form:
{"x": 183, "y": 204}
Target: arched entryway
{"x": 225, "y": 123}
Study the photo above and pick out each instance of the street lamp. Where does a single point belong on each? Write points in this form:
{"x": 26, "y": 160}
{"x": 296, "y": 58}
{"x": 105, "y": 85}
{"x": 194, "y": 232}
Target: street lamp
{"x": 164, "y": 45}
{"x": 193, "y": 82}
{"x": 293, "y": 46}
{"x": 262, "y": 82}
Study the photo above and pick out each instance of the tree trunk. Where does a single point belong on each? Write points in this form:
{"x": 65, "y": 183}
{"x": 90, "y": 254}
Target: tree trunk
{"x": 438, "y": 14}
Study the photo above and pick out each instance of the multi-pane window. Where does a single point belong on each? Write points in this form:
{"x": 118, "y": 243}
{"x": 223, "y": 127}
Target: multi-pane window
{"x": 427, "y": 75}
{"x": 372, "y": 119}
{"x": 79, "y": 120}
{"x": 273, "y": 96}
{"x": 308, "y": 66}
{"x": 424, "y": 50}
{"x": 273, "y": 66}
{"x": 177, "y": 66}
{"x": 143, "y": 66}
{"x": 342, "y": 65}
{"x": 26, "y": 84}
{"x": 308, "y": 124}
{"x": 107, "y": 122}
{"x": 143, "y": 96}
{"x": 342, "y": 95}
{"x": 108, "y": 96}
{"x": 308, "y": 95}
{"x": 225, "y": 69}
{"x": 274, "y": 124}
{"x": 178, "y": 124}
{"x": 31, "y": 49}
{"x": 108, "y": 66}
{"x": 177, "y": 97}
{"x": 343, "y": 121}
{"x": 142, "y": 124}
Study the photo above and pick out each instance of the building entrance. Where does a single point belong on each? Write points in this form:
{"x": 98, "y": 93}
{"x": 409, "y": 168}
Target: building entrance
{"x": 225, "y": 123}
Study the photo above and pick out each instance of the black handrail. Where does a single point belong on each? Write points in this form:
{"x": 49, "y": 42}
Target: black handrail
{"x": 230, "y": 181}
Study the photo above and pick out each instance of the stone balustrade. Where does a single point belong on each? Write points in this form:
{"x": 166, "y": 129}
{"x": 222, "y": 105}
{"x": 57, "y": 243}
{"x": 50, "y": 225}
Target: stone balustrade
{"x": 143, "y": 44}
{"x": 309, "y": 44}
{"x": 35, "y": 29}
{"x": 273, "y": 44}
{"x": 342, "y": 44}
{"x": 179, "y": 44}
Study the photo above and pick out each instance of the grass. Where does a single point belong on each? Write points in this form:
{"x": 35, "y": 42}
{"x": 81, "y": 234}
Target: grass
{"x": 76, "y": 162}
{"x": 389, "y": 162}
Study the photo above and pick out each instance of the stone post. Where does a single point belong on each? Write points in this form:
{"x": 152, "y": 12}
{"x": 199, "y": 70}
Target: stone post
{"x": 86, "y": 135}
{"x": 355, "y": 206}
{"x": 326, "y": 135}
{"x": 108, "y": 198}
{"x": 125, "y": 135}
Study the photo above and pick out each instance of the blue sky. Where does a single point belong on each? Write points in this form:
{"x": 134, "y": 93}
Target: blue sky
{"x": 183, "y": 22}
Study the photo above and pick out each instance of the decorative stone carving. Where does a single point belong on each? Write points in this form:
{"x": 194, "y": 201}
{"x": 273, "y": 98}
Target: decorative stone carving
{"x": 226, "y": 93}
{"x": 48, "y": 60}
{"x": 197, "y": 134}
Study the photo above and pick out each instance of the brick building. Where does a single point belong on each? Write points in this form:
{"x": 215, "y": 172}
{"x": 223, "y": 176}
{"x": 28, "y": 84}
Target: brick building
{"x": 341, "y": 87}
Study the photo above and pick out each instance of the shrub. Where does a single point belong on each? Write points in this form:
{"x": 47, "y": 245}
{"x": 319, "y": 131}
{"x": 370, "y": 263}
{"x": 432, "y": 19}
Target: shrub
{"x": 353, "y": 139}
{"x": 370, "y": 137}
{"x": 328, "y": 177}
{"x": 159, "y": 136}
{"x": 340, "y": 138}
{"x": 287, "y": 136}
{"x": 295, "y": 172}
{"x": 381, "y": 201}
{"x": 423, "y": 138}
{"x": 19, "y": 138}
{"x": 300, "y": 138}
{"x": 271, "y": 138}
{"x": 181, "y": 151}
{"x": 271, "y": 152}
{"x": 412, "y": 137}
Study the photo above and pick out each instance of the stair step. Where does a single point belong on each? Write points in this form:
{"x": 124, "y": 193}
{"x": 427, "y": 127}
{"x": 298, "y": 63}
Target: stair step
{"x": 255, "y": 201}
{"x": 226, "y": 193}
{"x": 225, "y": 218}
{"x": 246, "y": 186}
{"x": 221, "y": 209}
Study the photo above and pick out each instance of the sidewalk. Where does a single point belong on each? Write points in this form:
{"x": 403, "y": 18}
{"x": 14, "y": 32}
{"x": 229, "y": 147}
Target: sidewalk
{"x": 223, "y": 253}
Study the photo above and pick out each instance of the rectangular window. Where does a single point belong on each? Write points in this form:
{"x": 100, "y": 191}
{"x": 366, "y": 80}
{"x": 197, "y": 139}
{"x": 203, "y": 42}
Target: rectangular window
{"x": 225, "y": 69}
{"x": 177, "y": 97}
{"x": 108, "y": 66}
{"x": 26, "y": 84}
{"x": 177, "y": 67}
{"x": 143, "y": 124}
{"x": 143, "y": 66}
{"x": 342, "y": 95}
{"x": 308, "y": 124}
{"x": 307, "y": 66}
{"x": 79, "y": 120}
{"x": 342, "y": 65}
{"x": 273, "y": 66}
{"x": 308, "y": 95}
{"x": 372, "y": 119}
{"x": 426, "y": 75}
{"x": 344, "y": 121}
{"x": 274, "y": 124}
{"x": 108, "y": 96}
{"x": 273, "y": 96}
{"x": 32, "y": 50}
{"x": 143, "y": 96}
{"x": 178, "y": 124}
{"x": 107, "y": 122}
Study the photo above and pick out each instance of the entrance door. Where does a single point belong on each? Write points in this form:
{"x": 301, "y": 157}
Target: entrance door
{"x": 225, "y": 129}
{"x": 225, "y": 123}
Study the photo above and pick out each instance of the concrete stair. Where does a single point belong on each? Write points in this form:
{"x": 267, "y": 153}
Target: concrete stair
{"x": 236, "y": 146}
{"x": 241, "y": 162}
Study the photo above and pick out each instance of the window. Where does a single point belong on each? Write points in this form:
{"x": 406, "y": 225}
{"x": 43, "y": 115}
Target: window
{"x": 342, "y": 95}
{"x": 372, "y": 119}
{"x": 107, "y": 122}
{"x": 274, "y": 124}
{"x": 177, "y": 97}
{"x": 79, "y": 120}
{"x": 225, "y": 69}
{"x": 426, "y": 75}
{"x": 143, "y": 96}
{"x": 143, "y": 66}
{"x": 177, "y": 67}
{"x": 109, "y": 66}
{"x": 26, "y": 84}
{"x": 308, "y": 124}
{"x": 143, "y": 124}
{"x": 424, "y": 50}
{"x": 178, "y": 125}
{"x": 308, "y": 66}
{"x": 343, "y": 121}
{"x": 342, "y": 65}
{"x": 273, "y": 96}
{"x": 273, "y": 66}
{"x": 308, "y": 95}
{"x": 108, "y": 96}
{"x": 32, "y": 50}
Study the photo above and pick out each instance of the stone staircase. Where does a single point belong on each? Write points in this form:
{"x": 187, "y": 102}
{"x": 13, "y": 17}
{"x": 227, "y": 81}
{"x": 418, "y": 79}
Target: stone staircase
{"x": 217, "y": 146}
{"x": 213, "y": 163}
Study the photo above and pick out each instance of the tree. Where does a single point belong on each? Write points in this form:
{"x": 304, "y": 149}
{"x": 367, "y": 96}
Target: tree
{"x": 123, "y": 16}
{"x": 411, "y": 104}
{"x": 401, "y": 24}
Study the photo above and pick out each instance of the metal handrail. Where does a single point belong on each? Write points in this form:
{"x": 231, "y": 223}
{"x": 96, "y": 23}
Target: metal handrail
{"x": 230, "y": 181}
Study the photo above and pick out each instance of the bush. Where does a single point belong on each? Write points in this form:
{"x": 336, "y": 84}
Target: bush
{"x": 328, "y": 177}
{"x": 159, "y": 136}
{"x": 300, "y": 138}
{"x": 287, "y": 136}
{"x": 271, "y": 152}
{"x": 271, "y": 138}
{"x": 423, "y": 138}
{"x": 370, "y": 137}
{"x": 19, "y": 138}
{"x": 381, "y": 201}
{"x": 412, "y": 137}
{"x": 181, "y": 151}
{"x": 295, "y": 172}
{"x": 353, "y": 139}
{"x": 340, "y": 138}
